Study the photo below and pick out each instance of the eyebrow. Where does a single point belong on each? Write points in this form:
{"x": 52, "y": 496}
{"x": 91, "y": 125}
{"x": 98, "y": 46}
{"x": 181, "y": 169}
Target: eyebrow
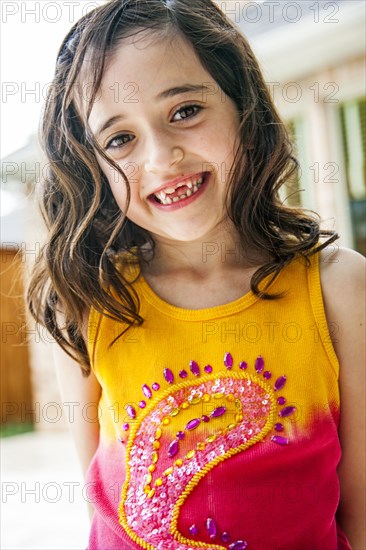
{"x": 171, "y": 92}
{"x": 186, "y": 88}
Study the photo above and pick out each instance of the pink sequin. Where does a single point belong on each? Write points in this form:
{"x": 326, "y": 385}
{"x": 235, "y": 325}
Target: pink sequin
{"x": 144, "y": 513}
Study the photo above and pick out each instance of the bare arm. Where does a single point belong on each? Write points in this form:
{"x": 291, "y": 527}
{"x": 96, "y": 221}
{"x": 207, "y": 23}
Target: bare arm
{"x": 79, "y": 391}
{"x": 343, "y": 283}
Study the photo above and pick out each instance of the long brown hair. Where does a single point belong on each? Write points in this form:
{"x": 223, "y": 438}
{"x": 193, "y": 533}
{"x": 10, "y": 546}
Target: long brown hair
{"x": 86, "y": 228}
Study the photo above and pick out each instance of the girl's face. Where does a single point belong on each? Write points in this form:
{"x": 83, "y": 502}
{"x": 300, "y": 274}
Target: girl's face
{"x": 172, "y": 130}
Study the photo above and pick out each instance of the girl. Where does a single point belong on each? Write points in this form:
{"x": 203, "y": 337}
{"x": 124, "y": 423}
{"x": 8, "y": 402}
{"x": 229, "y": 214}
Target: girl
{"x": 213, "y": 329}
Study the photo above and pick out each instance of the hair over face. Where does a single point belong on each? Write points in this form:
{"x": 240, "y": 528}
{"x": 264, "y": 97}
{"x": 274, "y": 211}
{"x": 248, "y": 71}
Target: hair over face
{"x": 76, "y": 268}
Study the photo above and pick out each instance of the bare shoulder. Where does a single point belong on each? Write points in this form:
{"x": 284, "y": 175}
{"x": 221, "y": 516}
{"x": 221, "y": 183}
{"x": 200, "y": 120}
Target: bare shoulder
{"x": 343, "y": 276}
{"x": 338, "y": 264}
{"x": 66, "y": 366}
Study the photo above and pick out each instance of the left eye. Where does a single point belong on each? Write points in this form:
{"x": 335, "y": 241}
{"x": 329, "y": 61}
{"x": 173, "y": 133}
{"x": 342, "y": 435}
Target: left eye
{"x": 188, "y": 111}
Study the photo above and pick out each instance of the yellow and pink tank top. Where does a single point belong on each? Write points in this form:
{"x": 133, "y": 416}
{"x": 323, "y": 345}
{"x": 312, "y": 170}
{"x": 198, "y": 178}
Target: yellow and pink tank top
{"x": 218, "y": 426}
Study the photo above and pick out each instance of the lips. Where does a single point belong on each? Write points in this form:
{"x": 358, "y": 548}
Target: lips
{"x": 180, "y": 191}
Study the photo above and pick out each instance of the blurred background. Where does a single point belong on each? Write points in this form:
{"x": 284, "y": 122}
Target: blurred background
{"x": 313, "y": 58}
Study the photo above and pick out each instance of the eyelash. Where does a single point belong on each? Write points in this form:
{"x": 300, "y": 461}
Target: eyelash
{"x": 189, "y": 106}
{"x": 196, "y": 108}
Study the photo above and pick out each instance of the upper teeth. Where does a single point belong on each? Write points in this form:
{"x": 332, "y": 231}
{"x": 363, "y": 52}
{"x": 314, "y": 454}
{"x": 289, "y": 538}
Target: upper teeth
{"x": 193, "y": 186}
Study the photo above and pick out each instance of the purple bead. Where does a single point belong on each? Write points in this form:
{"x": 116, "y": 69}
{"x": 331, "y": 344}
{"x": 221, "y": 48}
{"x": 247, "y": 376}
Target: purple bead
{"x": 259, "y": 364}
{"x": 193, "y": 530}
{"x": 194, "y": 368}
{"x": 169, "y": 376}
{"x": 219, "y": 411}
{"x": 243, "y": 365}
{"x": 267, "y": 375}
{"x": 225, "y": 537}
{"x": 155, "y": 386}
{"x": 146, "y": 391}
{"x": 180, "y": 435}
{"x": 281, "y": 400}
{"x": 173, "y": 448}
{"x": 278, "y": 427}
{"x": 183, "y": 373}
{"x": 280, "y": 440}
{"x": 126, "y": 426}
{"x": 286, "y": 411}
{"x": 205, "y": 418}
{"x": 208, "y": 369}
{"x": 192, "y": 424}
{"x": 211, "y": 528}
{"x": 131, "y": 411}
{"x": 238, "y": 545}
{"x": 228, "y": 360}
{"x": 142, "y": 404}
{"x": 280, "y": 382}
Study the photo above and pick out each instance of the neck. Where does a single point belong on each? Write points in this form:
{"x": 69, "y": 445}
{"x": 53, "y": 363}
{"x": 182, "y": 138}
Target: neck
{"x": 219, "y": 252}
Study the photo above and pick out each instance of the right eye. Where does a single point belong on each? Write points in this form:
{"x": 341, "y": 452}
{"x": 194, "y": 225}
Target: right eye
{"x": 119, "y": 141}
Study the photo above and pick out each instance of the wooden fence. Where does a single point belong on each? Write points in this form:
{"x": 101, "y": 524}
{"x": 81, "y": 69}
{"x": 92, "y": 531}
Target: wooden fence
{"x": 15, "y": 377}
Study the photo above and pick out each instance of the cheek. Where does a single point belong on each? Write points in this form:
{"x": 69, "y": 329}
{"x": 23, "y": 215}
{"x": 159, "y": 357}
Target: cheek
{"x": 119, "y": 191}
{"x": 116, "y": 184}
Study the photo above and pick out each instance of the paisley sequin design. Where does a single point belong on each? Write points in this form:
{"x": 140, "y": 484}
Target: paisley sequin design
{"x": 172, "y": 446}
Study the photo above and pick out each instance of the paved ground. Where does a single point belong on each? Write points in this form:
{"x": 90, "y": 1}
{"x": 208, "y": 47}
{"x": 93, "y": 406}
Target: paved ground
{"x": 42, "y": 503}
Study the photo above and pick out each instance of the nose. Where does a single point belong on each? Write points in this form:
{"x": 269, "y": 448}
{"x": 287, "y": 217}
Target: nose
{"x": 162, "y": 153}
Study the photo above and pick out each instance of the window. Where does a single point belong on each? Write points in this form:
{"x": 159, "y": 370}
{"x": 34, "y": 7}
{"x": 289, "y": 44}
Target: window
{"x": 353, "y": 126}
{"x": 298, "y": 190}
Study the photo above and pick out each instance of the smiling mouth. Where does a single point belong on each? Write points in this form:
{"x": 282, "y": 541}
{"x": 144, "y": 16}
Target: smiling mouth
{"x": 180, "y": 191}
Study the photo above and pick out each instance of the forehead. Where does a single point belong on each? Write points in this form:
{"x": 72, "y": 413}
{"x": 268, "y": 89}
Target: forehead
{"x": 149, "y": 57}
{"x": 141, "y": 67}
